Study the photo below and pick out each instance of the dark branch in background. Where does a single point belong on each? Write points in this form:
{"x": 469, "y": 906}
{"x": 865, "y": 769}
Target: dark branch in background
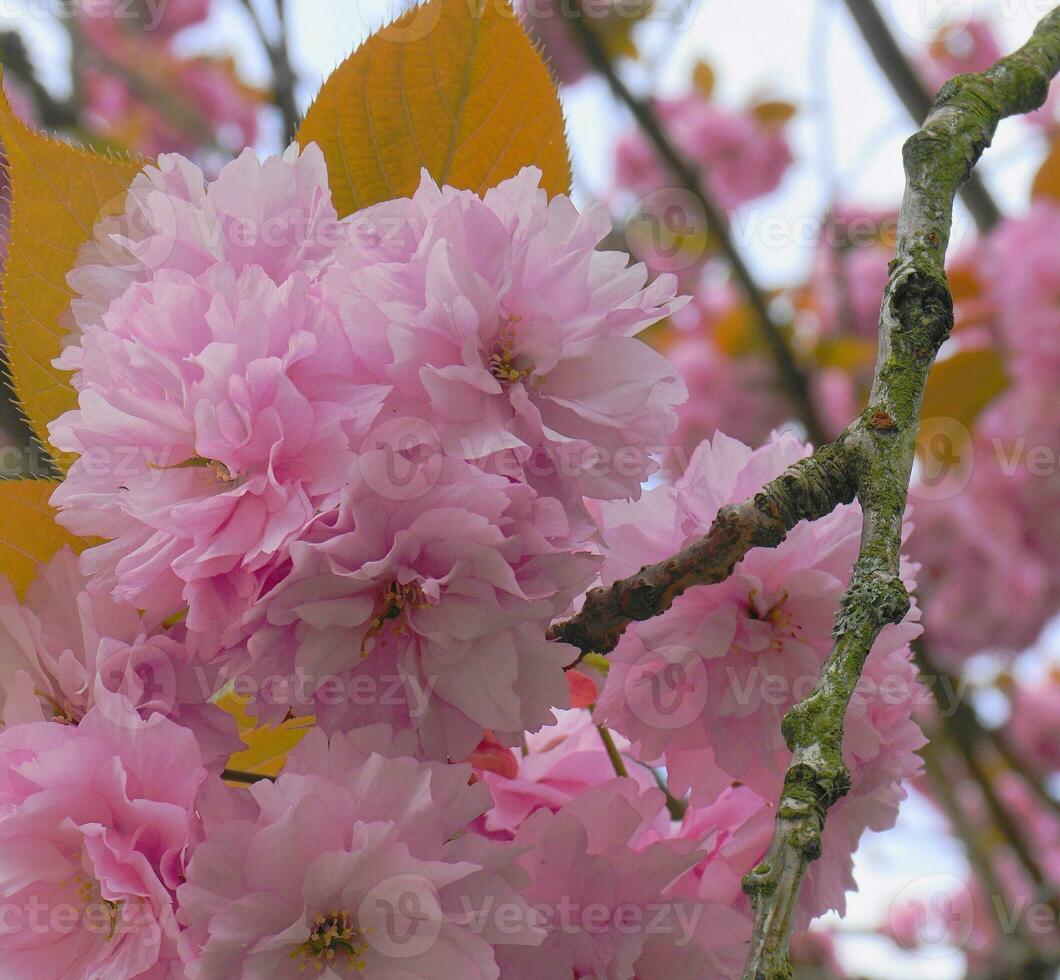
{"x": 963, "y": 721}
{"x": 283, "y": 76}
{"x": 792, "y": 377}
{"x": 910, "y": 88}
{"x": 915, "y": 319}
{"x": 244, "y": 778}
{"x": 1015, "y": 954}
{"x": 963, "y": 730}
{"x": 53, "y": 113}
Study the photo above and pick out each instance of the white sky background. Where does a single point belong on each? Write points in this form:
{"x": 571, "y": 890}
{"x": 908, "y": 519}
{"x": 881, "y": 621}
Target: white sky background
{"x": 847, "y": 138}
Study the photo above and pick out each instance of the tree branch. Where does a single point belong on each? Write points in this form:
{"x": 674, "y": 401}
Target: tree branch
{"x": 807, "y": 490}
{"x": 940, "y": 766}
{"x": 915, "y": 319}
{"x": 53, "y": 113}
{"x": 283, "y": 75}
{"x": 244, "y": 778}
{"x": 910, "y": 89}
{"x": 964, "y": 723}
{"x": 792, "y": 378}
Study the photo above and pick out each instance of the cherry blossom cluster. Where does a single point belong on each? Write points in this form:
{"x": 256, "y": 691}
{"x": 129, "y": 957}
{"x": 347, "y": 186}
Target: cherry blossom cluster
{"x": 352, "y": 470}
{"x": 987, "y": 519}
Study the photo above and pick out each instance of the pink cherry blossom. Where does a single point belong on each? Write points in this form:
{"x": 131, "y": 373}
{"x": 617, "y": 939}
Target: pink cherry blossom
{"x": 1024, "y": 292}
{"x": 850, "y": 271}
{"x": 967, "y": 45}
{"x": 735, "y": 393}
{"x": 986, "y": 534}
{"x": 101, "y": 20}
{"x": 210, "y": 104}
{"x": 94, "y": 821}
{"x": 735, "y": 828}
{"x": 352, "y": 859}
{"x": 218, "y": 408}
{"x": 731, "y": 658}
{"x": 814, "y": 953}
{"x": 603, "y": 884}
{"x": 1031, "y": 727}
{"x": 66, "y": 648}
{"x": 275, "y": 213}
{"x": 741, "y": 157}
{"x": 497, "y": 319}
{"x": 140, "y": 91}
{"x": 426, "y": 611}
{"x": 561, "y": 761}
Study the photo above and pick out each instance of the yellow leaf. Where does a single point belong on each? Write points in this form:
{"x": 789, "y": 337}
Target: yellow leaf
{"x": 58, "y": 193}
{"x": 29, "y": 533}
{"x": 773, "y": 113}
{"x": 845, "y": 352}
{"x": 614, "y": 28}
{"x": 267, "y": 745}
{"x": 962, "y": 385}
{"x": 703, "y": 79}
{"x": 1047, "y": 180}
{"x": 454, "y": 86}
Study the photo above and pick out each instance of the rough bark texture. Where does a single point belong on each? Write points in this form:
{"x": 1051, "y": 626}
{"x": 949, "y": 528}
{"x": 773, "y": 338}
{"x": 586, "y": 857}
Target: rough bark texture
{"x": 807, "y": 490}
{"x": 915, "y": 319}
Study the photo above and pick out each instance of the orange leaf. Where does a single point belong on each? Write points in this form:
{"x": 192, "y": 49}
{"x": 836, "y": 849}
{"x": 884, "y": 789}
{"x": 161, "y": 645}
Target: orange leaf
{"x": 266, "y": 745}
{"x": 29, "y": 533}
{"x": 962, "y": 385}
{"x": 703, "y": 79}
{"x": 58, "y": 193}
{"x": 452, "y": 86}
{"x": 773, "y": 113}
{"x": 1047, "y": 180}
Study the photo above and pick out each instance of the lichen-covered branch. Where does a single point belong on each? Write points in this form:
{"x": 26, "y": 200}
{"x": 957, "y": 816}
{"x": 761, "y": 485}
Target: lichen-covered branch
{"x": 807, "y": 490}
{"x": 792, "y": 377}
{"x": 914, "y": 321}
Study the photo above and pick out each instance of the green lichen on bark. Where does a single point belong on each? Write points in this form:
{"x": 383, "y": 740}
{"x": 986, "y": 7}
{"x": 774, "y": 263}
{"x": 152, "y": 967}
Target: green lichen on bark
{"x": 879, "y": 446}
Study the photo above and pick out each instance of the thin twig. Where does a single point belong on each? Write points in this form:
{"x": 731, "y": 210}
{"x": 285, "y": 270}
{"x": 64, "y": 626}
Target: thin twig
{"x": 910, "y": 89}
{"x": 939, "y": 767}
{"x": 792, "y": 377}
{"x": 966, "y": 725}
{"x": 617, "y": 762}
{"x": 283, "y": 76}
{"x": 247, "y": 778}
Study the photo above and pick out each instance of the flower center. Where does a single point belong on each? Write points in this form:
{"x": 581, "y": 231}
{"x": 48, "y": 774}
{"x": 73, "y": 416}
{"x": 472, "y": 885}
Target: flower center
{"x": 396, "y": 598}
{"x": 89, "y": 895}
{"x": 333, "y": 942}
{"x": 776, "y": 615}
{"x": 502, "y": 361}
{"x": 62, "y": 711}
{"x": 221, "y": 472}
